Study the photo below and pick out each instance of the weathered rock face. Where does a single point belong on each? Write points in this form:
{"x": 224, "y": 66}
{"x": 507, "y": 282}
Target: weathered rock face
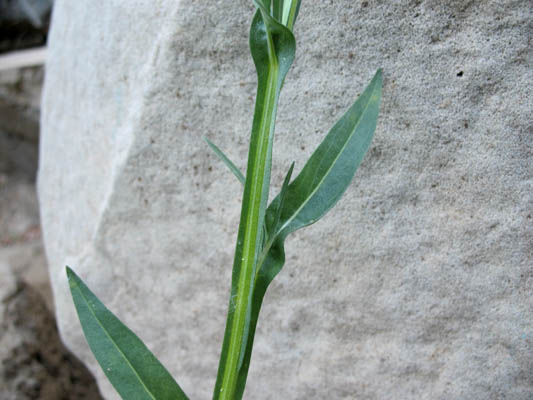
{"x": 417, "y": 286}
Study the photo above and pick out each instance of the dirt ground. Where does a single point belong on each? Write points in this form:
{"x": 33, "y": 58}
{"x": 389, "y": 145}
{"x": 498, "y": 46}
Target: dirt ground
{"x": 34, "y": 364}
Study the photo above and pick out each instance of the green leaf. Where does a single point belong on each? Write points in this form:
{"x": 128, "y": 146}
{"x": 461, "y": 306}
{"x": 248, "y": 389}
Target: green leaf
{"x": 128, "y": 364}
{"x": 232, "y": 167}
{"x": 329, "y": 171}
{"x": 317, "y": 188}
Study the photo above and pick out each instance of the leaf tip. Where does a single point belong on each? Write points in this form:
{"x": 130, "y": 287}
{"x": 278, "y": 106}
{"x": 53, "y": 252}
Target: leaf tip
{"x": 292, "y": 166}
{"x": 71, "y": 277}
{"x": 378, "y": 77}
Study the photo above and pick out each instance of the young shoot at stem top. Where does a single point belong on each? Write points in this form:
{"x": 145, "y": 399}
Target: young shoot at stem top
{"x": 290, "y": 10}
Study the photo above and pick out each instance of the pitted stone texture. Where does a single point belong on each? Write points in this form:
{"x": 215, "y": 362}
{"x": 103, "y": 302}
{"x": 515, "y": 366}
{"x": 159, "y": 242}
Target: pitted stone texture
{"x": 417, "y": 286}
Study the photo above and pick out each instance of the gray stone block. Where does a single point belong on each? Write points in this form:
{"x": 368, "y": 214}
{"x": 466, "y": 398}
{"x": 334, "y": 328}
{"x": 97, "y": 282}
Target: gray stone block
{"x": 416, "y": 286}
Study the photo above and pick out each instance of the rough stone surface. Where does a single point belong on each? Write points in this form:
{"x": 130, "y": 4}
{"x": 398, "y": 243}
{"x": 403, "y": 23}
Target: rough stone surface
{"x": 417, "y": 286}
{"x": 34, "y": 364}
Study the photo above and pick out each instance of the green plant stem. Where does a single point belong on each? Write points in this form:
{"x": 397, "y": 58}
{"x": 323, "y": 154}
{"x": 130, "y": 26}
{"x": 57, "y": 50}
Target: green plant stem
{"x": 290, "y": 10}
{"x": 250, "y": 235}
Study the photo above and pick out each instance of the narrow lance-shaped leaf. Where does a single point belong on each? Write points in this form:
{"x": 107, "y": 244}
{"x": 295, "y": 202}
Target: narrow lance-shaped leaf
{"x": 232, "y": 167}
{"x": 317, "y": 188}
{"x": 329, "y": 171}
{"x": 128, "y": 364}
{"x": 324, "y": 178}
